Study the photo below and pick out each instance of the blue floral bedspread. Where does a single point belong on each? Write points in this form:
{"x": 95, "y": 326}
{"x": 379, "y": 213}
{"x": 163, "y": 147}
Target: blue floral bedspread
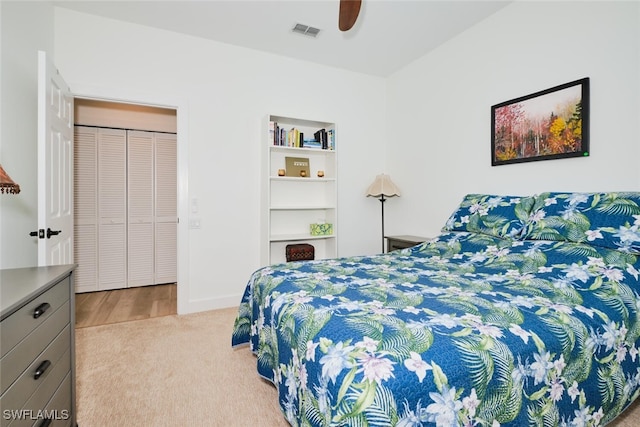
{"x": 465, "y": 330}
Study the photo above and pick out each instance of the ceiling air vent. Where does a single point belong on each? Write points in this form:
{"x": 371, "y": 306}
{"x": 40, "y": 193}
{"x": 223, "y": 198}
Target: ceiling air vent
{"x": 306, "y": 30}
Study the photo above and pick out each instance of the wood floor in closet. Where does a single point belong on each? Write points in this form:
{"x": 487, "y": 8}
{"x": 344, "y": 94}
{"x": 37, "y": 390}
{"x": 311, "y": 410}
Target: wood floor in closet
{"x": 122, "y": 305}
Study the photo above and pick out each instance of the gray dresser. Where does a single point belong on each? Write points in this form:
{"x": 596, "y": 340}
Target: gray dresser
{"x": 37, "y": 346}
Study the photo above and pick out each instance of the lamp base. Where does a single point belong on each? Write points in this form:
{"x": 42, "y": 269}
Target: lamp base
{"x": 382, "y": 200}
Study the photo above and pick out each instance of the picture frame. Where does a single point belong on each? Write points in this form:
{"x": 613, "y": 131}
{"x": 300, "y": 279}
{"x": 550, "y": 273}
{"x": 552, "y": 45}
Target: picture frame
{"x": 549, "y": 124}
{"x": 297, "y": 167}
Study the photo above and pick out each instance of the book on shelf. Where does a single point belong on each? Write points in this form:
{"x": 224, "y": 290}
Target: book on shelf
{"x": 276, "y": 133}
{"x": 331, "y": 139}
{"x": 273, "y": 132}
{"x": 321, "y": 136}
{"x": 312, "y": 143}
{"x": 294, "y": 137}
{"x": 279, "y": 136}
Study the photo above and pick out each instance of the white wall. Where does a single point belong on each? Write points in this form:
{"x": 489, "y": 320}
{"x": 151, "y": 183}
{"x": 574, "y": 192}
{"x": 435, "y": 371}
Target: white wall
{"x": 227, "y": 92}
{"x": 440, "y": 107}
{"x": 25, "y": 28}
{"x": 437, "y": 112}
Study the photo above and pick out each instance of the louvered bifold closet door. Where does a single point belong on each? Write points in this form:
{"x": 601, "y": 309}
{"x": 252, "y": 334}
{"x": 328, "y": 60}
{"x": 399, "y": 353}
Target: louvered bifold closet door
{"x": 166, "y": 212}
{"x": 86, "y": 208}
{"x": 141, "y": 218}
{"x": 112, "y": 208}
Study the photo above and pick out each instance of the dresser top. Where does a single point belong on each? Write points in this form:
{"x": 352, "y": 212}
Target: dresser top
{"x": 20, "y": 285}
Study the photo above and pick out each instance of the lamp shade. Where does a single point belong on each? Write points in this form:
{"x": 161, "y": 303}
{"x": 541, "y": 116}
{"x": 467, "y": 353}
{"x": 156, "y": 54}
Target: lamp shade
{"x": 6, "y": 183}
{"x": 383, "y": 186}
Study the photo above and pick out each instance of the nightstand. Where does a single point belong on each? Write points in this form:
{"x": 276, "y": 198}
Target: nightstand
{"x": 400, "y": 242}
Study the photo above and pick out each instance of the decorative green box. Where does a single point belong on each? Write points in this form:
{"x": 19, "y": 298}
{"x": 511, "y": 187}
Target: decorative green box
{"x": 323, "y": 229}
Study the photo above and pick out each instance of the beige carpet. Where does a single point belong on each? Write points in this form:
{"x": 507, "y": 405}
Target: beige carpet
{"x": 170, "y": 371}
{"x": 178, "y": 371}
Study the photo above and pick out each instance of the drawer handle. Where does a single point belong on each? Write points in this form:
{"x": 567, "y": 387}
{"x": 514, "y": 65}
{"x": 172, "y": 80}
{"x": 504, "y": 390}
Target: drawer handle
{"x": 41, "y": 309}
{"x": 40, "y": 370}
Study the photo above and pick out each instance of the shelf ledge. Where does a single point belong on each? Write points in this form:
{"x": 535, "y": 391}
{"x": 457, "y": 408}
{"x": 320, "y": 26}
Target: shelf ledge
{"x": 284, "y": 149}
{"x": 295, "y": 237}
{"x": 302, "y": 208}
{"x": 295, "y": 178}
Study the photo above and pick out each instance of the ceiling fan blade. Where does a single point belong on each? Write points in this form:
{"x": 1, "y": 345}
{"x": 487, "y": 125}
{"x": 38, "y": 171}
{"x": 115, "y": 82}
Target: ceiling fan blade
{"x": 349, "y": 10}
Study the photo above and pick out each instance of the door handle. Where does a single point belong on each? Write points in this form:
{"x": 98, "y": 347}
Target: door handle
{"x": 50, "y": 232}
{"x": 38, "y": 233}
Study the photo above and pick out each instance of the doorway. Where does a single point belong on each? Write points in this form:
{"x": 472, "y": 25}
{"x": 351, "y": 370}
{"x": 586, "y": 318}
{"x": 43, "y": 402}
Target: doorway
{"x": 125, "y": 195}
{"x": 181, "y": 106}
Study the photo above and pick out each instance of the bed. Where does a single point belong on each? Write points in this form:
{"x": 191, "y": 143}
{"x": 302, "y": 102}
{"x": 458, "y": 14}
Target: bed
{"x": 523, "y": 311}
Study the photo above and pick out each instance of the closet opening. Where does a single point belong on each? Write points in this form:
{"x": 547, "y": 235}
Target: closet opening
{"x": 125, "y": 199}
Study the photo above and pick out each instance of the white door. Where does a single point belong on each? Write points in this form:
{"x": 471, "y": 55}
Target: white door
{"x": 112, "y": 209}
{"x": 55, "y": 166}
{"x": 166, "y": 212}
{"x": 141, "y": 262}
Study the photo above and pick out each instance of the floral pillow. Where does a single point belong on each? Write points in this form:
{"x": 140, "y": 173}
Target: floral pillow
{"x": 501, "y": 216}
{"x": 610, "y": 220}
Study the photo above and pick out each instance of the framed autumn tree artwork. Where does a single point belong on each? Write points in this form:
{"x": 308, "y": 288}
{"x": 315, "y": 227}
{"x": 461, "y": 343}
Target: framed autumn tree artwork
{"x": 550, "y": 124}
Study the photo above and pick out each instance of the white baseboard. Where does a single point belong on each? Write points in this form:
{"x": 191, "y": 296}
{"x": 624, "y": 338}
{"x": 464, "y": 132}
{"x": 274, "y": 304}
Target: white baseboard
{"x": 195, "y": 306}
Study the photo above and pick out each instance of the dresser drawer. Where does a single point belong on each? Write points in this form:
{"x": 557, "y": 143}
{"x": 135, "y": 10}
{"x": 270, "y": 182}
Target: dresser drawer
{"x": 59, "y": 355}
{"x": 56, "y": 406}
{"x": 59, "y": 407}
{"x": 22, "y": 355}
{"x": 15, "y": 327}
